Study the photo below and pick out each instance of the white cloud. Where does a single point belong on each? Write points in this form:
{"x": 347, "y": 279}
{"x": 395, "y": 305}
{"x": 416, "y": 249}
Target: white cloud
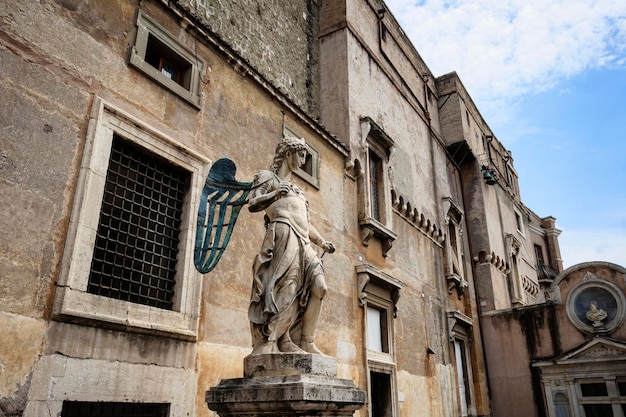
{"x": 503, "y": 49}
{"x": 586, "y": 245}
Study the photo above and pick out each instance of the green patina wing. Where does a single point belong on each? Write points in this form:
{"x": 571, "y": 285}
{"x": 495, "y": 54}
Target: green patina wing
{"x": 222, "y": 199}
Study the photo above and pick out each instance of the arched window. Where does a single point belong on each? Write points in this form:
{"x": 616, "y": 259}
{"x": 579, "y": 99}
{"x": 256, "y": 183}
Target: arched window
{"x": 561, "y": 405}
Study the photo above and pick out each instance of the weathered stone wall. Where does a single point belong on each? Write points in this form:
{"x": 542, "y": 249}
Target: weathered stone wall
{"x": 277, "y": 37}
{"x": 542, "y": 333}
{"x": 43, "y": 116}
{"x": 510, "y": 380}
{"x": 59, "y": 57}
{"x": 366, "y": 75}
{"x": 56, "y": 57}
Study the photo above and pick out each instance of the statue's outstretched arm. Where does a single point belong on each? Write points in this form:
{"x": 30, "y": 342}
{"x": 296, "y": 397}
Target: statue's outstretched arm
{"x": 316, "y": 238}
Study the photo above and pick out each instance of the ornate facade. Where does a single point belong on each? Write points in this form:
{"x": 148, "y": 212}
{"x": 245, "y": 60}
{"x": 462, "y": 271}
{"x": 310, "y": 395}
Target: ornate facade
{"x": 115, "y": 111}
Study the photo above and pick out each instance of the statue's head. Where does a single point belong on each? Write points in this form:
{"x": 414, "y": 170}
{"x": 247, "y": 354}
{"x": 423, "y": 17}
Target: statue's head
{"x": 287, "y": 144}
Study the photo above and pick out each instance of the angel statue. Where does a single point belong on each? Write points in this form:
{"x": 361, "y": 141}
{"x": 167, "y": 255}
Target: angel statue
{"x": 288, "y": 277}
{"x": 288, "y": 283}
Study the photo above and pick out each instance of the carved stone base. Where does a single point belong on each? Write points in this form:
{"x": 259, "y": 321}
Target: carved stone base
{"x": 286, "y": 384}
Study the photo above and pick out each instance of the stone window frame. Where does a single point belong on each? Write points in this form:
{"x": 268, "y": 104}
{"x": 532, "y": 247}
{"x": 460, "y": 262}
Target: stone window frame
{"x": 460, "y": 333}
{"x": 380, "y": 291}
{"x": 453, "y": 220}
{"x": 100, "y": 382}
{"x": 599, "y": 359}
{"x": 374, "y": 139}
{"x": 147, "y": 28}
{"x": 613, "y": 398}
{"x": 313, "y": 156}
{"x": 519, "y": 222}
{"x": 72, "y": 300}
{"x": 568, "y": 394}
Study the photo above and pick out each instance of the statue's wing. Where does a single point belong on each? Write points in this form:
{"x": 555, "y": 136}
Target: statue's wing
{"x": 222, "y": 199}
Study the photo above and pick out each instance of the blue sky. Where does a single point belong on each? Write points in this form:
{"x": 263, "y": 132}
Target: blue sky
{"x": 549, "y": 77}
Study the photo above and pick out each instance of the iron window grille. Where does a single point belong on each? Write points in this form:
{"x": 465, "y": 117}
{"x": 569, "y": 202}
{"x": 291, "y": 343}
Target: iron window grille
{"x": 137, "y": 238}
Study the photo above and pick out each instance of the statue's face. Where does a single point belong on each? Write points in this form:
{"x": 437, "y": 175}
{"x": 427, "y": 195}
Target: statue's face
{"x": 296, "y": 159}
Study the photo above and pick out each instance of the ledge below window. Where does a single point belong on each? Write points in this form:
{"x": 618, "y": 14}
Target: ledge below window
{"x": 373, "y": 228}
{"x": 458, "y": 282}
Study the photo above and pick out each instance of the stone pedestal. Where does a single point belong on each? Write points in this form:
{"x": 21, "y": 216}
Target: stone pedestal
{"x": 286, "y": 384}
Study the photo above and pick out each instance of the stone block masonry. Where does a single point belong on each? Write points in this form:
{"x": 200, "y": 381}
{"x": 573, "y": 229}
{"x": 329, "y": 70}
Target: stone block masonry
{"x": 279, "y": 38}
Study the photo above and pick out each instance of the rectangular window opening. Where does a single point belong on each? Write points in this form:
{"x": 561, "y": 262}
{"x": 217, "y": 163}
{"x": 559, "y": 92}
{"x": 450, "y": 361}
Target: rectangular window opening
{"x": 168, "y": 62}
{"x": 462, "y": 376}
{"x": 377, "y": 332}
{"x": 380, "y": 394}
{"x": 113, "y": 409}
{"x": 594, "y": 389}
{"x": 539, "y": 254}
{"x": 308, "y": 164}
{"x": 137, "y": 238}
{"x": 376, "y": 165}
{"x": 598, "y": 410}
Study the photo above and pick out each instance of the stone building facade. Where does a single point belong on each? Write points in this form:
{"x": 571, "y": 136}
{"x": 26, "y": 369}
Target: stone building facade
{"x": 568, "y": 352}
{"x": 113, "y": 113}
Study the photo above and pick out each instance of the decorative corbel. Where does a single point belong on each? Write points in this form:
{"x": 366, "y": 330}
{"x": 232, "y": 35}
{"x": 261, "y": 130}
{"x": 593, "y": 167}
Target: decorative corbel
{"x": 362, "y": 280}
{"x": 370, "y": 275}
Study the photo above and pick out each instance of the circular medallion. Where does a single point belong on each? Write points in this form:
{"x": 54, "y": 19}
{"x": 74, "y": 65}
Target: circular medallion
{"x": 595, "y": 306}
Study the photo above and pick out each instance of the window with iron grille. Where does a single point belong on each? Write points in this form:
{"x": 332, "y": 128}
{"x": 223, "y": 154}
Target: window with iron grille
{"x": 129, "y": 246}
{"x": 113, "y": 409}
{"x": 138, "y": 233}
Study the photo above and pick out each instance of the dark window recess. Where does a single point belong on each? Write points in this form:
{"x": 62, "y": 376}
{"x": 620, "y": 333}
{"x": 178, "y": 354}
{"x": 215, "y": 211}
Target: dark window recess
{"x": 380, "y": 391}
{"x": 539, "y": 254}
{"x": 544, "y": 271}
{"x": 621, "y": 385}
{"x": 168, "y": 62}
{"x": 104, "y": 409}
{"x": 598, "y": 410}
{"x": 308, "y": 164}
{"x": 138, "y": 232}
{"x": 595, "y": 389}
{"x": 376, "y": 165}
